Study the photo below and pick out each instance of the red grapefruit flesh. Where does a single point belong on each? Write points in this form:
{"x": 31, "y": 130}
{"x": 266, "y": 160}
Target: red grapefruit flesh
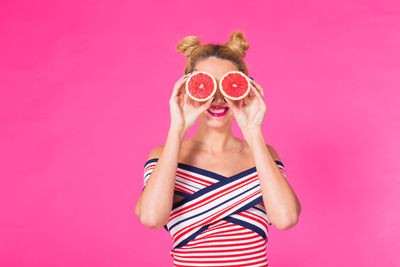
{"x": 201, "y": 86}
{"x": 234, "y": 85}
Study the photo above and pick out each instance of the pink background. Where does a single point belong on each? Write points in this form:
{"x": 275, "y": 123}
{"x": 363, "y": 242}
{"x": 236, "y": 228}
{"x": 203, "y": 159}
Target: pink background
{"x": 84, "y": 98}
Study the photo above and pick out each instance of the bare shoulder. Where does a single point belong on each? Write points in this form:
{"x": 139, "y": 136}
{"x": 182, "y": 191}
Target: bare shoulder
{"x": 155, "y": 153}
{"x": 273, "y": 152}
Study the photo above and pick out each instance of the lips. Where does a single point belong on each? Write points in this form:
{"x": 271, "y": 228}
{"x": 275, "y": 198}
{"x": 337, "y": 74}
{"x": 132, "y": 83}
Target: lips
{"x": 218, "y": 111}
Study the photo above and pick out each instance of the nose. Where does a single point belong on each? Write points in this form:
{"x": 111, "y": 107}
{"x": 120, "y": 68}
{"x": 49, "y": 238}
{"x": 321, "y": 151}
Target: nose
{"x": 219, "y": 97}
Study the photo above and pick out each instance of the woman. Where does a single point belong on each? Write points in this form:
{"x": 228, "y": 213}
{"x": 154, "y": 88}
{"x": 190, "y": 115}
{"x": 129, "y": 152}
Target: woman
{"x": 213, "y": 191}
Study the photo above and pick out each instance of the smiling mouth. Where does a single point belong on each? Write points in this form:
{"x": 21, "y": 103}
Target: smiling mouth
{"x": 217, "y": 111}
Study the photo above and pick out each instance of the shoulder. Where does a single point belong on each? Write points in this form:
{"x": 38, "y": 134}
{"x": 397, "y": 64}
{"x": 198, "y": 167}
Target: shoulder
{"x": 155, "y": 152}
{"x": 273, "y": 152}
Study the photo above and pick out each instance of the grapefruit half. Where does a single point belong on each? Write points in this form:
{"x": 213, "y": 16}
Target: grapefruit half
{"x": 234, "y": 85}
{"x": 201, "y": 86}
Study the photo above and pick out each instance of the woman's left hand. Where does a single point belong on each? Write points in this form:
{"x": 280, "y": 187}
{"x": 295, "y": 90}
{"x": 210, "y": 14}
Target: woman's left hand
{"x": 250, "y": 111}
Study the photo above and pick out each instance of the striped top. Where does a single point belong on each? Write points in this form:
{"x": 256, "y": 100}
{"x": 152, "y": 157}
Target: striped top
{"x": 222, "y": 220}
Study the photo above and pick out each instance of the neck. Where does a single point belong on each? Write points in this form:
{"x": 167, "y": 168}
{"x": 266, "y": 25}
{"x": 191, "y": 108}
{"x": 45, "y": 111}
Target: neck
{"x": 214, "y": 140}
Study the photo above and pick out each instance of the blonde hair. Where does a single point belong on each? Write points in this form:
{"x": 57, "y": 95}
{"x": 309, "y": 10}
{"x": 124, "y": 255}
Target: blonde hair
{"x": 234, "y": 50}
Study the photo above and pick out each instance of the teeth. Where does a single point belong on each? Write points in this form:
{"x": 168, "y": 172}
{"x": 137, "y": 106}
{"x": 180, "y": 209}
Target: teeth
{"x": 217, "y": 110}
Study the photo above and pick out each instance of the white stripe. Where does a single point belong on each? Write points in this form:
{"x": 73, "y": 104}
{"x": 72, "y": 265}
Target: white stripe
{"x": 226, "y": 238}
{"x": 207, "y": 178}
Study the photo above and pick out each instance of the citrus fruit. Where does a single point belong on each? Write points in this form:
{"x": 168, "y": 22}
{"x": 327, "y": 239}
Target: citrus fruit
{"x": 201, "y": 86}
{"x": 234, "y": 85}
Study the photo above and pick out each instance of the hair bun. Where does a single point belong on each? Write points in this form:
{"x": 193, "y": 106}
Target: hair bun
{"x": 188, "y": 44}
{"x": 238, "y": 43}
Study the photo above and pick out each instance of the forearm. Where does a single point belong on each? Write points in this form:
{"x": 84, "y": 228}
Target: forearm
{"x": 156, "y": 199}
{"x": 281, "y": 203}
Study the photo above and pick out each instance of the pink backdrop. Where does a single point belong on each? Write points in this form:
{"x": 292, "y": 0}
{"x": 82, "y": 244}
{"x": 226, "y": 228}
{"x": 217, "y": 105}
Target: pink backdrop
{"x": 84, "y": 98}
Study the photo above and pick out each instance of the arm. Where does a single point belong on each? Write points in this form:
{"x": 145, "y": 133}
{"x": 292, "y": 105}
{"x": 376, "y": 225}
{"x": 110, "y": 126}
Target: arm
{"x": 282, "y": 205}
{"x": 155, "y": 202}
{"x": 279, "y": 200}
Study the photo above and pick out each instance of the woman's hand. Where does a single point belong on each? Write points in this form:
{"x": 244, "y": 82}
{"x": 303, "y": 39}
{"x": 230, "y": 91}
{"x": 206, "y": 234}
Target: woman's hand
{"x": 250, "y": 114}
{"x": 184, "y": 110}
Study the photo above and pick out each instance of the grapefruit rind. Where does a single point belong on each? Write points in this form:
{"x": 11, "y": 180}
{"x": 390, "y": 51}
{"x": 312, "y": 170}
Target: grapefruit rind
{"x": 231, "y": 97}
{"x": 201, "y": 99}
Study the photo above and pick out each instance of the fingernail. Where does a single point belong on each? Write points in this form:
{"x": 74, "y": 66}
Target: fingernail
{"x": 251, "y": 78}
{"x": 225, "y": 100}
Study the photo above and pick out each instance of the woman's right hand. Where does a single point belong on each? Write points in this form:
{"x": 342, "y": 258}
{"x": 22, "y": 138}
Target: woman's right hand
{"x": 184, "y": 110}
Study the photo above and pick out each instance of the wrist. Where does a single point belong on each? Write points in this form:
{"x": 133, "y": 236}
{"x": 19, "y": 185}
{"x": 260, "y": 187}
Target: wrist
{"x": 254, "y": 136}
{"x": 177, "y": 131}
{"x": 254, "y": 131}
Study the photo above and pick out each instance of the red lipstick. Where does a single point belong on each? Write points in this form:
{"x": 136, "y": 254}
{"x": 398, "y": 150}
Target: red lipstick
{"x": 218, "y": 114}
